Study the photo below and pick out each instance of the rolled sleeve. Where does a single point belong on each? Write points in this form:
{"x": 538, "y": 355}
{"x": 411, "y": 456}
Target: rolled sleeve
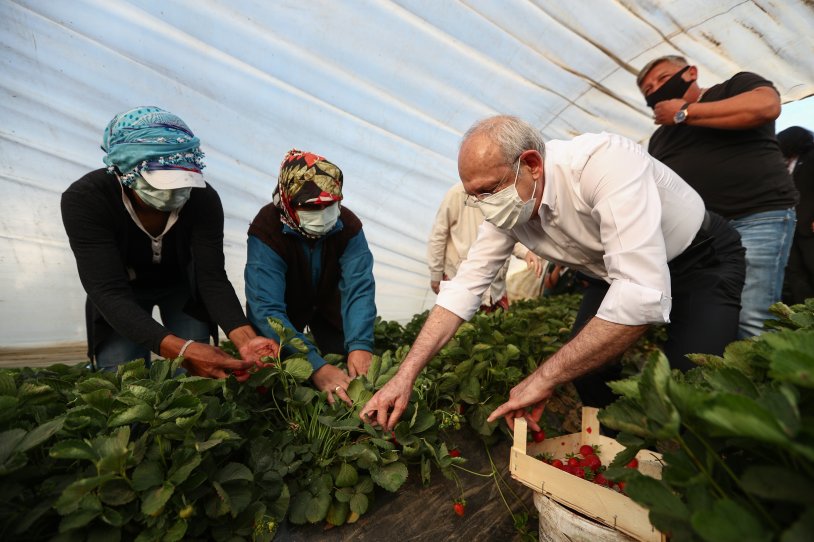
{"x": 632, "y": 304}
{"x": 463, "y": 294}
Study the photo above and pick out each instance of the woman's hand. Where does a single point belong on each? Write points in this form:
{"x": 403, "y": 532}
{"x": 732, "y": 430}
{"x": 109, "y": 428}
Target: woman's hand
{"x": 333, "y": 380}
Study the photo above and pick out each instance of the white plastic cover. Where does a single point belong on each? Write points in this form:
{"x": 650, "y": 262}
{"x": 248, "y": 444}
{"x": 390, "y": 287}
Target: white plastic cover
{"x": 383, "y": 89}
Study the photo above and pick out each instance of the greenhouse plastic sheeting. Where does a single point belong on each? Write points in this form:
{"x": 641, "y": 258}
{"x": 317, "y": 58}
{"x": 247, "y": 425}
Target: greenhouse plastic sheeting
{"x": 383, "y": 89}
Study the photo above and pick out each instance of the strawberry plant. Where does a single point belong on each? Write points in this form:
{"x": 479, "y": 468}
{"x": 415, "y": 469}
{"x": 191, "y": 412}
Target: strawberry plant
{"x": 737, "y": 436}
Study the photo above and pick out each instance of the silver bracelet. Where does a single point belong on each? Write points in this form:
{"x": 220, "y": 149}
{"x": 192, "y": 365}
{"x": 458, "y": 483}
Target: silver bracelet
{"x": 184, "y": 348}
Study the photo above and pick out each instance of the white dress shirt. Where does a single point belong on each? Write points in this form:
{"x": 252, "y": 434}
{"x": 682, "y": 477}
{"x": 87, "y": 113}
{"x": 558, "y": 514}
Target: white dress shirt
{"x": 608, "y": 209}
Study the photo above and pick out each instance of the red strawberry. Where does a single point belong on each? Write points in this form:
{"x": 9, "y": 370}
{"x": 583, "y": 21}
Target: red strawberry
{"x": 586, "y": 450}
{"x": 573, "y": 462}
{"x": 455, "y": 452}
{"x": 592, "y": 462}
{"x": 601, "y": 480}
{"x": 538, "y": 436}
{"x": 557, "y": 463}
{"x": 459, "y": 508}
{"x": 633, "y": 464}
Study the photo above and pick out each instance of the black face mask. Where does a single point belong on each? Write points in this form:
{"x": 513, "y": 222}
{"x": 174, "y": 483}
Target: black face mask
{"x": 674, "y": 87}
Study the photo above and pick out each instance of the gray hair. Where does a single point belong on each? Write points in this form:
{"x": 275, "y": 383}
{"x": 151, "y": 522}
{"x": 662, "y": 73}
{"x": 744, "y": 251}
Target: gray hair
{"x": 512, "y": 135}
{"x": 676, "y": 60}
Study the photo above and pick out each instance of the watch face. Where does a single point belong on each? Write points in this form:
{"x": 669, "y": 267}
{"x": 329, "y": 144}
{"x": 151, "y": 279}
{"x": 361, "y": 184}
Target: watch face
{"x": 680, "y": 116}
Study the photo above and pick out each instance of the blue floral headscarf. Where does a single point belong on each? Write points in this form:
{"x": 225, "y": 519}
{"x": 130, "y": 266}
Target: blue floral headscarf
{"x": 148, "y": 137}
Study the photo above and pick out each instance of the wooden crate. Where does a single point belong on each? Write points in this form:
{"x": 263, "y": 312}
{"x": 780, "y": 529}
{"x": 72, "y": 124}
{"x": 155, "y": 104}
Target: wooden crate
{"x": 593, "y": 501}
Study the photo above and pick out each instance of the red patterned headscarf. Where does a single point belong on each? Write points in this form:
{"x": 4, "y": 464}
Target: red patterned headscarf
{"x": 305, "y": 178}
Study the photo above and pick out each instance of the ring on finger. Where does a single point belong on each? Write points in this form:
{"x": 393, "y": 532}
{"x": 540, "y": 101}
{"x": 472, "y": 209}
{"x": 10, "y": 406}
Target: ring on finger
{"x": 336, "y": 389}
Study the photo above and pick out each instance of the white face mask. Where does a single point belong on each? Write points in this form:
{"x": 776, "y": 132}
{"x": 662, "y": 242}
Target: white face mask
{"x": 162, "y": 200}
{"x": 505, "y": 209}
{"x": 319, "y": 222}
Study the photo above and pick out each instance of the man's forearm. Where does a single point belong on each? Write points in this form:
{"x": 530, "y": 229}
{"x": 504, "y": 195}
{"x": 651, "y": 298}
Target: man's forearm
{"x": 439, "y": 328}
{"x": 597, "y": 343}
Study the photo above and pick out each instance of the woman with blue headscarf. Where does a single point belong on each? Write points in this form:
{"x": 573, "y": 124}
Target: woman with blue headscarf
{"x": 148, "y": 232}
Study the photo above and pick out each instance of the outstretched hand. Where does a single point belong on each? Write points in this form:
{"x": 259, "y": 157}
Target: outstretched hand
{"x": 334, "y": 381}
{"x": 259, "y": 347}
{"x": 526, "y": 400}
{"x": 359, "y": 362}
{"x": 205, "y": 360}
{"x": 386, "y": 407}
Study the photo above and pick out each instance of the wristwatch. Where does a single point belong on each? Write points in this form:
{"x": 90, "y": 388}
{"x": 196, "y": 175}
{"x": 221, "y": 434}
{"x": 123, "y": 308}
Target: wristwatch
{"x": 681, "y": 114}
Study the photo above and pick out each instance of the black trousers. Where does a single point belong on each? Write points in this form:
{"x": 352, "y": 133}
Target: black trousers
{"x": 706, "y": 282}
{"x": 799, "y": 283}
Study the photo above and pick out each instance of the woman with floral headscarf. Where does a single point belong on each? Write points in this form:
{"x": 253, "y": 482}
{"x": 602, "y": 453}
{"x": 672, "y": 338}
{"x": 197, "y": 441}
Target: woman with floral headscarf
{"x": 148, "y": 232}
{"x": 309, "y": 265}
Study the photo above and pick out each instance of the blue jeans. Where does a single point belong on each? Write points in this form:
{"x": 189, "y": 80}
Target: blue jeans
{"x": 767, "y": 239}
{"x": 170, "y": 301}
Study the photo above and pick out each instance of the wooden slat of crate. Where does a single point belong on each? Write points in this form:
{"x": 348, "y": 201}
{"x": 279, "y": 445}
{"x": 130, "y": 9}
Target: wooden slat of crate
{"x": 599, "y": 503}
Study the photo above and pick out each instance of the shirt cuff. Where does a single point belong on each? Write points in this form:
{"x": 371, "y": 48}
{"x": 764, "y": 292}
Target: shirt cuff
{"x": 360, "y": 345}
{"x": 632, "y": 304}
{"x": 458, "y": 300}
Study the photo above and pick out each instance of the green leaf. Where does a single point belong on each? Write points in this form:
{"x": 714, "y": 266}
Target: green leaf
{"x": 282, "y": 332}
{"x": 176, "y": 532}
{"x": 656, "y": 496}
{"x": 101, "y": 400}
{"x": 116, "y": 492}
{"x": 136, "y": 413}
{"x": 626, "y": 388}
{"x": 184, "y": 462}
{"x": 95, "y": 383}
{"x": 391, "y": 477}
{"x": 373, "y": 371}
{"x": 7, "y": 385}
{"x": 40, "y": 434}
{"x": 738, "y": 416}
{"x": 359, "y": 503}
{"x": 727, "y": 521}
{"x": 154, "y": 500}
{"x": 687, "y": 398}
{"x": 198, "y": 385}
{"x": 337, "y": 513}
{"x": 147, "y": 475}
{"x": 299, "y": 368}
{"x": 8, "y": 407}
{"x": 71, "y": 496}
{"x": 662, "y": 418}
{"x": 777, "y": 483}
{"x": 626, "y": 415}
{"x": 793, "y": 357}
{"x": 77, "y": 519}
{"x": 424, "y": 420}
{"x": 317, "y": 508}
{"x": 801, "y": 530}
{"x": 234, "y": 471}
{"x": 346, "y": 476}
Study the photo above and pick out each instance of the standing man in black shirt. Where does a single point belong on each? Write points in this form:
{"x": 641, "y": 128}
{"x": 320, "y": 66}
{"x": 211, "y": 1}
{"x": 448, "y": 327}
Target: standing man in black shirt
{"x": 148, "y": 232}
{"x": 721, "y": 140}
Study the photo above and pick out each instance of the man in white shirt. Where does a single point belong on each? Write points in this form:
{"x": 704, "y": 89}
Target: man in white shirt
{"x": 453, "y": 232}
{"x": 599, "y": 204}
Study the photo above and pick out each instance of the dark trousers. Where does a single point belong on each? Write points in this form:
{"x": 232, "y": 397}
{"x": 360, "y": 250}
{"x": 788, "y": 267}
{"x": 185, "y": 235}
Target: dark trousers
{"x": 799, "y": 284}
{"x": 706, "y": 282}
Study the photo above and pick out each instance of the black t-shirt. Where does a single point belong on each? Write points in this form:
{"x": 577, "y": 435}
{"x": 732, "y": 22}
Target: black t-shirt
{"x": 736, "y": 172}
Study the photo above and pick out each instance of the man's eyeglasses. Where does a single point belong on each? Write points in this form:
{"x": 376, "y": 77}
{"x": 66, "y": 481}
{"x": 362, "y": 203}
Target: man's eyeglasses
{"x": 473, "y": 200}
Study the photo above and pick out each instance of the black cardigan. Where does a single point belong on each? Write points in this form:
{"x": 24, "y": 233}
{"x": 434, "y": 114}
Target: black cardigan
{"x": 100, "y": 231}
